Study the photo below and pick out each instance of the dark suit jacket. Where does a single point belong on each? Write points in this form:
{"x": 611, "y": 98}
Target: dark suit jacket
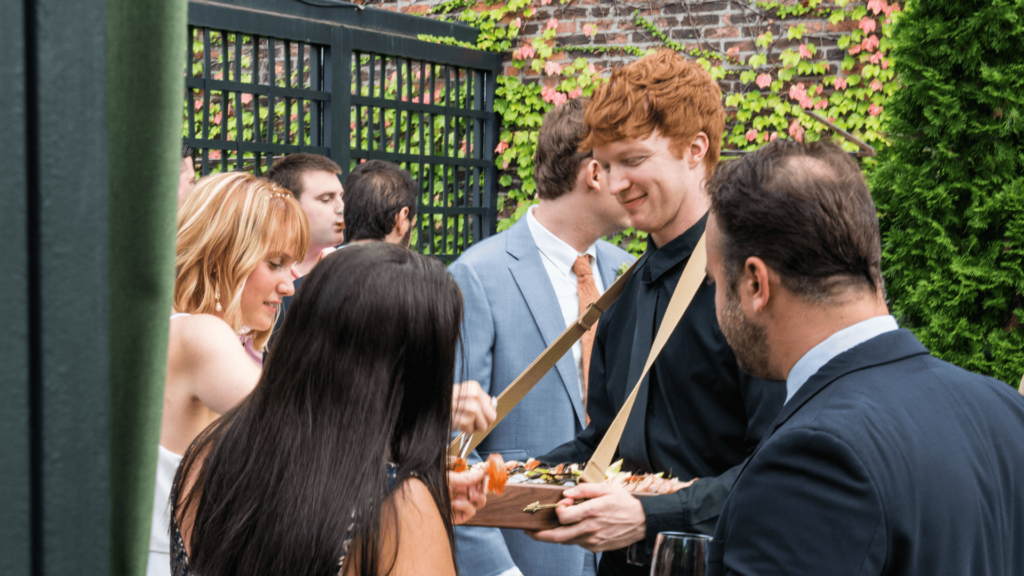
{"x": 887, "y": 461}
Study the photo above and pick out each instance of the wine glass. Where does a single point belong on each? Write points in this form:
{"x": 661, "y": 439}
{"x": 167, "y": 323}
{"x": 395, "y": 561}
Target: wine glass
{"x": 680, "y": 554}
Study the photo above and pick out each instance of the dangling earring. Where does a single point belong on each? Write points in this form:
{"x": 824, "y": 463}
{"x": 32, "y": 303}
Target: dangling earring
{"x": 216, "y": 295}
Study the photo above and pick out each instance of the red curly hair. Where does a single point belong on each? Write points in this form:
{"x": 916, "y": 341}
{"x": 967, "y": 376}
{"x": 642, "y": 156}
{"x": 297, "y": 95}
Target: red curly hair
{"x": 663, "y": 92}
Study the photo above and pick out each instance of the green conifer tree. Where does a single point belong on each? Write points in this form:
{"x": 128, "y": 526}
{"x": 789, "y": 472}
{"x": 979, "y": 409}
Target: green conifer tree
{"x": 950, "y": 188}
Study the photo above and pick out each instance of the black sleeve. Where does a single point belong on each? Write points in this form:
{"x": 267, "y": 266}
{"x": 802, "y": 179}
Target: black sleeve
{"x": 697, "y": 508}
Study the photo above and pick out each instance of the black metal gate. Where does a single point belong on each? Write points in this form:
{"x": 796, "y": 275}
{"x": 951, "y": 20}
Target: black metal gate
{"x": 267, "y": 78}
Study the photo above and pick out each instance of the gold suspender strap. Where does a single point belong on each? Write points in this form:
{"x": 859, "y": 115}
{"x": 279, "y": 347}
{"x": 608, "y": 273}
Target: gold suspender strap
{"x": 689, "y": 282}
{"x": 515, "y": 392}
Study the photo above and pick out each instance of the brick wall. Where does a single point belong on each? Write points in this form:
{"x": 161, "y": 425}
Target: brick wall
{"x": 724, "y": 27}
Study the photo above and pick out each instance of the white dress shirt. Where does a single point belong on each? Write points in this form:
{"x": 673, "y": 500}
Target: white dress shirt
{"x": 558, "y": 258}
{"x": 833, "y": 346}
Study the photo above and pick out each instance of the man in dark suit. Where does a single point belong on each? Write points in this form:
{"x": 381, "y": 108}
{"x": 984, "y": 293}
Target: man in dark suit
{"x": 884, "y": 459}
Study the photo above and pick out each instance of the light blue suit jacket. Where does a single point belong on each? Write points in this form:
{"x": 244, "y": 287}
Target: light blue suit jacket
{"x": 511, "y": 316}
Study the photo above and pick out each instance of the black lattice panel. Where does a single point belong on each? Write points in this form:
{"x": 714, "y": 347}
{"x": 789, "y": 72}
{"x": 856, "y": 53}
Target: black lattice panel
{"x": 250, "y": 98}
{"x": 429, "y": 118}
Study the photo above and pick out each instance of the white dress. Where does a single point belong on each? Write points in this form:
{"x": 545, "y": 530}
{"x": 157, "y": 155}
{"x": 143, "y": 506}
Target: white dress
{"x": 159, "y": 533}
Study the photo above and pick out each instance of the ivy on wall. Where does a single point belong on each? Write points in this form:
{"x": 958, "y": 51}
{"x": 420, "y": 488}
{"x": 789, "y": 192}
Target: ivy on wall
{"x": 778, "y": 85}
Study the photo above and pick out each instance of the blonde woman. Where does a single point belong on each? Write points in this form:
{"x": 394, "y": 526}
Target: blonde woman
{"x": 238, "y": 237}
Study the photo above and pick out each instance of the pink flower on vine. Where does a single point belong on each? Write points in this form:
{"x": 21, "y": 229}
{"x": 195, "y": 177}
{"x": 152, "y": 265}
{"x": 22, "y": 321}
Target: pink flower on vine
{"x": 352, "y": 126}
{"x": 545, "y": 2}
{"x": 502, "y": 146}
{"x": 387, "y": 123}
{"x": 796, "y": 130}
{"x": 591, "y": 68}
{"x": 552, "y": 68}
{"x": 806, "y": 102}
{"x": 214, "y": 154}
{"x": 875, "y": 85}
{"x": 246, "y": 98}
{"x": 876, "y": 57}
{"x": 870, "y": 43}
{"x": 588, "y": 29}
{"x": 751, "y": 135}
{"x": 797, "y": 91}
{"x": 821, "y": 104}
{"x": 885, "y": 64}
{"x": 805, "y": 52}
{"x": 576, "y": 93}
{"x": 524, "y": 52}
{"x": 840, "y": 83}
{"x": 216, "y": 119}
{"x": 876, "y": 6}
{"x": 855, "y": 49}
{"x": 518, "y": 23}
{"x": 867, "y": 24}
{"x": 551, "y": 25}
{"x": 774, "y": 137}
{"x": 199, "y": 103}
{"x": 890, "y": 9}
{"x": 875, "y": 109}
{"x": 764, "y": 80}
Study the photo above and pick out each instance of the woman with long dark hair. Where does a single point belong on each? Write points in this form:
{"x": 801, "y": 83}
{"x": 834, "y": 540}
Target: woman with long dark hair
{"x": 343, "y": 439}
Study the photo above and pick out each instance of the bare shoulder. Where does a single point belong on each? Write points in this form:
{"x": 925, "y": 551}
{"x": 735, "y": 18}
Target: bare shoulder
{"x": 200, "y": 334}
{"x": 423, "y": 545}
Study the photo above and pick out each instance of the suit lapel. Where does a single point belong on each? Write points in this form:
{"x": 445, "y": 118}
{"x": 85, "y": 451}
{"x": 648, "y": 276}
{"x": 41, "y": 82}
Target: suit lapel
{"x": 532, "y": 279}
{"x": 882, "y": 349}
{"x": 606, "y": 265}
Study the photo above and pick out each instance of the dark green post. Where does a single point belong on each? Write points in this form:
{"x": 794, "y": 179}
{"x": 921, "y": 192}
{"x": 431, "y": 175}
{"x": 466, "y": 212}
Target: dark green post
{"x": 90, "y": 138}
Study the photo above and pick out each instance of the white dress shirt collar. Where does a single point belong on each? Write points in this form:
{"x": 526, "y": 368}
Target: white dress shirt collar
{"x": 833, "y": 346}
{"x": 556, "y": 250}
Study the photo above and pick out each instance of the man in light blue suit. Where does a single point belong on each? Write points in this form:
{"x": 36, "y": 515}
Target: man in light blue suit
{"x": 520, "y": 288}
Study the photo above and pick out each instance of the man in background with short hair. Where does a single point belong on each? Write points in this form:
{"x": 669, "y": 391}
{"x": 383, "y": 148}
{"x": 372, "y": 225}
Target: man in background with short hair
{"x": 884, "y": 459}
{"x": 313, "y": 180}
{"x": 382, "y": 203}
{"x": 522, "y": 288}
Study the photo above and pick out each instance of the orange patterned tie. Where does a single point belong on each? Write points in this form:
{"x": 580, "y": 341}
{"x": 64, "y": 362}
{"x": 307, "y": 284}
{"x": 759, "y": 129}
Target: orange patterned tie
{"x": 587, "y": 291}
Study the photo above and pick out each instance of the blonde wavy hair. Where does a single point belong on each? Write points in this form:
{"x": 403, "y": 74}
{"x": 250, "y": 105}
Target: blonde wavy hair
{"x": 228, "y": 224}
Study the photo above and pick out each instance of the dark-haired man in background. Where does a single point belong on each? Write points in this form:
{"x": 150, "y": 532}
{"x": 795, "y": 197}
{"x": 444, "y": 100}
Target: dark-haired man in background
{"x": 522, "y": 288}
{"x": 381, "y": 201}
{"x": 313, "y": 180}
{"x": 884, "y": 459}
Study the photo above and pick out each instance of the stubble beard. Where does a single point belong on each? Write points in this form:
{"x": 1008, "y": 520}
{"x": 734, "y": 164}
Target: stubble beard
{"x": 748, "y": 340}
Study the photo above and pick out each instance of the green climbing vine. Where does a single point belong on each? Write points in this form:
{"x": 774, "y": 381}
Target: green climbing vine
{"x": 778, "y": 86}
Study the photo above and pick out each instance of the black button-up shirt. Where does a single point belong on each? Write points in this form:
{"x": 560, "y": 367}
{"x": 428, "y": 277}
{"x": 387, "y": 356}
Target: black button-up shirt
{"x": 696, "y": 416}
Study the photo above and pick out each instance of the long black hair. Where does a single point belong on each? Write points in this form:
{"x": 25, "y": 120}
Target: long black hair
{"x": 360, "y": 375}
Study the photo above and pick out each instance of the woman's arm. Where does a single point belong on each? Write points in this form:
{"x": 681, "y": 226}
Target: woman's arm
{"x": 216, "y": 367}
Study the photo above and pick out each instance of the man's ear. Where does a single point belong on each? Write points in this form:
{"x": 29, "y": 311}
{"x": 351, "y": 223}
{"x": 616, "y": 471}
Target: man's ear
{"x": 402, "y": 223}
{"x": 593, "y": 174}
{"x": 698, "y": 149}
{"x": 754, "y": 285}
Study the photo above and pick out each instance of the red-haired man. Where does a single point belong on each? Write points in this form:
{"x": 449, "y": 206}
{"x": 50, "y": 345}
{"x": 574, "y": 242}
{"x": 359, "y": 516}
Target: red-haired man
{"x": 656, "y": 128}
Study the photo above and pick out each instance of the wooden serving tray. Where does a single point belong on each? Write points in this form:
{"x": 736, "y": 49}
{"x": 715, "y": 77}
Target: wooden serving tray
{"x": 506, "y": 511}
